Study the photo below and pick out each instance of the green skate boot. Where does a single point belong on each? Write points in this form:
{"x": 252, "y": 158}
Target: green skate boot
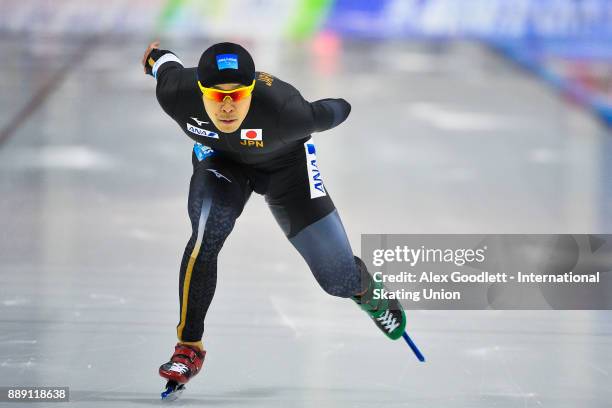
{"x": 387, "y": 314}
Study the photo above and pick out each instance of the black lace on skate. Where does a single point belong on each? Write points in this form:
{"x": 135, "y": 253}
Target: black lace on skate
{"x": 388, "y": 321}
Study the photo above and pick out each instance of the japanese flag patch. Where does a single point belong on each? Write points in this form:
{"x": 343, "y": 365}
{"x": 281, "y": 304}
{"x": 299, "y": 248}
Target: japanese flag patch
{"x": 251, "y": 134}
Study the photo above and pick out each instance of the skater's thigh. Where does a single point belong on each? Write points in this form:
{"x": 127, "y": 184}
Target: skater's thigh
{"x": 296, "y": 194}
{"x": 325, "y": 247}
{"x": 307, "y": 215}
{"x": 217, "y": 185}
{"x": 304, "y": 210}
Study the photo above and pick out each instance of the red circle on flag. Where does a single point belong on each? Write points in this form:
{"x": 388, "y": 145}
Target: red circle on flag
{"x": 251, "y": 134}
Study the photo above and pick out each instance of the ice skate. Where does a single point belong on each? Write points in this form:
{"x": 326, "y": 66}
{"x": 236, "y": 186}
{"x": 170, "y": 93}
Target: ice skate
{"x": 387, "y": 314}
{"x": 185, "y": 363}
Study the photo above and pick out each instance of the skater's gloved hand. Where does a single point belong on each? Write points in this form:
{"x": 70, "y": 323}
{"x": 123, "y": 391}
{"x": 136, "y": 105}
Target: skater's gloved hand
{"x": 330, "y": 112}
{"x": 148, "y": 65}
{"x": 153, "y": 57}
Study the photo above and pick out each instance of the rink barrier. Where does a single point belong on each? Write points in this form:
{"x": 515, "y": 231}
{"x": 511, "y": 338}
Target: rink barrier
{"x": 565, "y": 86}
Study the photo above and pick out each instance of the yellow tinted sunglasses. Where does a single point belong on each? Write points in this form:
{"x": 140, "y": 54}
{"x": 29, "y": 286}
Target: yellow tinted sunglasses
{"x": 219, "y": 95}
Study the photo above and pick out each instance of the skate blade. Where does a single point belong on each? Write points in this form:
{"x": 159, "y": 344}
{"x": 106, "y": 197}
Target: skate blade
{"x": 414, "y": 347}
{"x": 173, "y": 391}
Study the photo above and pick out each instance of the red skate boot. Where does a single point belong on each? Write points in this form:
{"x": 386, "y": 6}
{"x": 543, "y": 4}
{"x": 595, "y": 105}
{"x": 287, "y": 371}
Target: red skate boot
{"x": 184, "y": 364}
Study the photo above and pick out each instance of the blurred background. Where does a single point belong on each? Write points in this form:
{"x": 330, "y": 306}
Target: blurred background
{"x": 468, "y": 116}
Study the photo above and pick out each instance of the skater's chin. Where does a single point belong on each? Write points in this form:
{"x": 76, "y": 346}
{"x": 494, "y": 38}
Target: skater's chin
{"x": 228, "y": 125}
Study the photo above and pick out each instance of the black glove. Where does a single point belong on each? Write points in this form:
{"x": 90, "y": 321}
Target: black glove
{"x": 153, "y": 56}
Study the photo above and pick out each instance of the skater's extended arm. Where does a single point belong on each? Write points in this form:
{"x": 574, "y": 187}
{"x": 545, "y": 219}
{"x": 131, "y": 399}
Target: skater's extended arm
{"x": 329, "y": 113}
{"x": 164, "y": 66}
{"x": 301, "y": 117}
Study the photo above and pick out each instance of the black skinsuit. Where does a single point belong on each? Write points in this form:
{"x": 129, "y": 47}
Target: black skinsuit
{"x": 272, "y": 153}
